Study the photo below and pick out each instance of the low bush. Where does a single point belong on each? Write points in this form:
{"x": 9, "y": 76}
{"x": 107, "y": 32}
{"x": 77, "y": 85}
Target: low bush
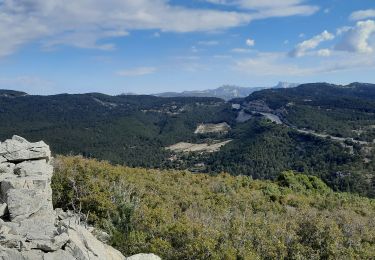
{"x": 180, "y": 215}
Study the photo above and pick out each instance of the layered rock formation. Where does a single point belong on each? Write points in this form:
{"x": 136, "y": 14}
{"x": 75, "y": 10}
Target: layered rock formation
{"x": 29, "y": 226}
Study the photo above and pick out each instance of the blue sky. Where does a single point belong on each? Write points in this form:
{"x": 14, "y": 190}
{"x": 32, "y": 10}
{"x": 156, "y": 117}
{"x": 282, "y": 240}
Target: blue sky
{"x": 150, "y": 46}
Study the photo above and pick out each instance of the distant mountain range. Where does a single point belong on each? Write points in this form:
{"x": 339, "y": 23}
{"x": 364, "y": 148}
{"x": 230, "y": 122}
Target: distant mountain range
{"x": 226, "y": 92}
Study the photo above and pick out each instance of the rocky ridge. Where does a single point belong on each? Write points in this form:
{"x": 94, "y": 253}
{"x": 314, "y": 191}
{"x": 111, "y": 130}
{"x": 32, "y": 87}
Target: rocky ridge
{"x": 29, "y": 226}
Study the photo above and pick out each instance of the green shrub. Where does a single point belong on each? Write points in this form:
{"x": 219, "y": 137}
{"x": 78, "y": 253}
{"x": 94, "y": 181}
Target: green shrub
{"x": 302, "y": 183}
{"x": 179, "y": 215}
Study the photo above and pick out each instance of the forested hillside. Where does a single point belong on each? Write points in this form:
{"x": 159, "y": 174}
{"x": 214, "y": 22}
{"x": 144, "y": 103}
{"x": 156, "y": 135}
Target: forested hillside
{"x": 319, "y": 129}
{"x": 344, "y": 111}
{"x": 132, "y": 130}
{"x": 180, "y": 215}
{"x": 262, "y": 150}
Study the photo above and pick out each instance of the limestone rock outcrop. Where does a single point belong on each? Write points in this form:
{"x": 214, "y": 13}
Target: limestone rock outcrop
{"x": 29, "y": 226}
{"x": 143, "y": 257}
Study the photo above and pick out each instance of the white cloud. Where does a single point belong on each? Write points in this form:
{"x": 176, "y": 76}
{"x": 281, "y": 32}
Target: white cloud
{"x": 89, "y": 23}
{"x": 277, "y": 64}
{"x": 15, "y": 31}
{"x": 342, "y": 30}
{"x": 284, "y": 11}
{"x": 271, "y": 8}
{"x": 86, "y": 23}
{"x": 222, "y": 56}
{"x": 135, "y": 72}
{"x": 352, "y": 50}
{"x": 156, "y": 35}
{"x": 86, "y": 40}
{"x": 357, "y": 38}
{"x": 284, "y": 7}
{"x": 187, "y": 58}
{"x": 269, "y": 64}
{"x": 301, "y": 49}
{"x": 240, "y": 50}
{"x": 250, "y": 42}
{"x": 362, "y": 15}
{"x": 324, "y": 52}
{"x": 208, "y": 43}
{"x": 194, "y": 49}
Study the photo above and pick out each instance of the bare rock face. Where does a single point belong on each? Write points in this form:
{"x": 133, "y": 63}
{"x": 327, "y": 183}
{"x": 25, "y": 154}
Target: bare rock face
{"x": 19, "y": 149}
{"x": 143, "y": 257}
{"x": 29, "y": 226}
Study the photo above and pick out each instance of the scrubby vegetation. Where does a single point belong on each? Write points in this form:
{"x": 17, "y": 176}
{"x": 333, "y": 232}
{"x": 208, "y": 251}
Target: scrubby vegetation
{"x": 180, "y": 215}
